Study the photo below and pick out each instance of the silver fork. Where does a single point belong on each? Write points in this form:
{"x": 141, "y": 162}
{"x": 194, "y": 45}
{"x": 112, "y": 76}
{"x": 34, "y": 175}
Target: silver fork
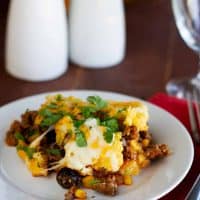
{"x": 194, "y": 193}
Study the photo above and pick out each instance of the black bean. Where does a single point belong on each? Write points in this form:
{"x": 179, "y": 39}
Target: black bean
{"x": 68, "y": 178}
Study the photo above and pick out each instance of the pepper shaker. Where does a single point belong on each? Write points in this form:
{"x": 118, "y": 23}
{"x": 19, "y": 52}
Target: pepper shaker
{"x": 97, "y": 33}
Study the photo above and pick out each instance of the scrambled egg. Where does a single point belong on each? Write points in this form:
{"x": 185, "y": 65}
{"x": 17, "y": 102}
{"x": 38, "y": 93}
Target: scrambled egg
{"x": 97, "y": 154}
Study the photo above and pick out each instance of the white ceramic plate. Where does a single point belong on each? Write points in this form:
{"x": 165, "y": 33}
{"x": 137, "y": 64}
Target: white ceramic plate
{"x": 16, "y": 182}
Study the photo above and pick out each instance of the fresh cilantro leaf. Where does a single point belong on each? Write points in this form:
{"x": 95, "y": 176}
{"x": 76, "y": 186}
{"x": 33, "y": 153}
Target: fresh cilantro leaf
{"x": 29, "y": 151}
{"x": 52, "y": 106}
{"x": 59, "y": 97}
{"x": 111, "y": 127}
{"x": 49, "y": 117}
{"x": 32, "y": 132}
{"x": 55, "y": 152}
{"x": 19, "y": 136}
{"x": 80, "y": 138}
{"x": 78, "y": 123}
{"x": 108, "y": 135}
{"x": 45, "y": 112}
{"x": 96, "y": 104}
{"x": 50, "y": 120}
{"x": 64, "y": 113}
{"x": 97, "y": 101}
{"x": 88, "y": 112}
{"x": 111, "y": 123}
{"x": 98, "y": 121}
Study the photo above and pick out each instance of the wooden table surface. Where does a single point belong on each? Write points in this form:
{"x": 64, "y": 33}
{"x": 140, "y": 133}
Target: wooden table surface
{"x": 155, "y": 53}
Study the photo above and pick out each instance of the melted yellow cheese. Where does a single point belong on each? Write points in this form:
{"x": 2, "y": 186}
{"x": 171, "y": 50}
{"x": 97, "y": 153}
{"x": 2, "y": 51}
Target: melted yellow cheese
{"x": 62, "y": 127}
{"x": 35, "y": 165}
{"x": 111, "y": 157}
{"x": 138, "y": 117}
{"x": 35, "y": 169}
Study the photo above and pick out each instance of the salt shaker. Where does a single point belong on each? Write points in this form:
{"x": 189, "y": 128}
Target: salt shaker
{"x": 37, "y": 39}
{"x": 97, "y": 33}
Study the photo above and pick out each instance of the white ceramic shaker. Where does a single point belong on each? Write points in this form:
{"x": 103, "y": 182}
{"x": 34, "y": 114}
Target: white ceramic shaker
{"x": 97, "y": 32}
{"x": 37, "y": 39}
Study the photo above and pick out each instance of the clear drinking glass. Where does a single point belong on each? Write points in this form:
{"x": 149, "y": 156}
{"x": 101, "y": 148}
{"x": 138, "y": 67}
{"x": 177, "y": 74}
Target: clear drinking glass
{"x": 187, "y": 18}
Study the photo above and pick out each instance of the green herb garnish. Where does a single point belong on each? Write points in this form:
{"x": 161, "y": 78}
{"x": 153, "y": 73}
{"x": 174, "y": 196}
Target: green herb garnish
{"x": 50, "y": 117}
{"x": 80, "y": 138}
{"x": 45, "y": 112}
{"x": 78, "y": 123}
{"x": 97, "y": 101}
{"x": 108, "y": 135}
{"x": 32, "y": 132}
{"x": 29, "y": 151}
{"x": 55, "y": 152}
{"x": 88, "y": 112}
{"x": 98, "y": 121}
{"x": 64, "y": 113}
{"x": 46, "y": 122}
{"x": 52, "y": 106}
{"x": 59, "y": 97}
{"x": 96, "y": 104}
{"x": 19, "y": 136}
{"x": 111, "y": 127}
{"x": 112, "y": 124}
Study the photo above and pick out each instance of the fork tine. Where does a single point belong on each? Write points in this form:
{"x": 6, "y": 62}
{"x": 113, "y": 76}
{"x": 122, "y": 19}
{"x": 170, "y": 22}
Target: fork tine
{"x": 192, "y": 118}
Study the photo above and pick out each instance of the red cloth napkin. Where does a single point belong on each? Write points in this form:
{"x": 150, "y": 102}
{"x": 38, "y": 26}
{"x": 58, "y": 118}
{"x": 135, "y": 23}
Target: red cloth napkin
{"x": 178, "y": 107}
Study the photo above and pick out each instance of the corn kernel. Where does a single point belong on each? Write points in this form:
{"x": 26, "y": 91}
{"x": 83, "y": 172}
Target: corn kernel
{"x": 38, "y": 120}
{"x": 130, "y": 168}
{"x": 141, "y": 158}
{"x": 127, "y": 180}
{"x": 143, "y": 161}
{"x": 80, "y": 194}
{"x": 21, "y": 143}
{"x": 87, "y": 181}
{"x": 35, "y": 169}
{"x": 22, "y": 154}
{"x": 136, "y": 146}
{"x": 145, "y": 142}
